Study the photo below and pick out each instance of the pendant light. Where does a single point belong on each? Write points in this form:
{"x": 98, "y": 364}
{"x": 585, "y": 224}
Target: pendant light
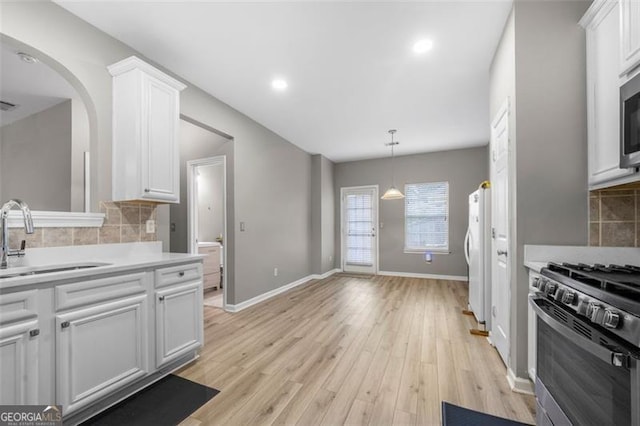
{"x": 392, "y": 193}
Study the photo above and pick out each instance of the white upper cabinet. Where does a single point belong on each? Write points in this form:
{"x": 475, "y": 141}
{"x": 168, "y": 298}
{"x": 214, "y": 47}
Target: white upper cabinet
{"x": 629, "y": 35}
{"x": 146, "y": 113}
{"x": 602, "y": 24}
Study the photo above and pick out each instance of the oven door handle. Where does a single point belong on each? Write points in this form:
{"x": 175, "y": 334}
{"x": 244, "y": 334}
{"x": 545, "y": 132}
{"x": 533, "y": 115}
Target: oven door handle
{"x": 616, "y": 359}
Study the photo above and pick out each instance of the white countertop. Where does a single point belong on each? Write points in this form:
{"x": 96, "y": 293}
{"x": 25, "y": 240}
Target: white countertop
{"x": 209, "y": 244}
{"x": 535, "y": 266}
{"x": 117, "y": 258}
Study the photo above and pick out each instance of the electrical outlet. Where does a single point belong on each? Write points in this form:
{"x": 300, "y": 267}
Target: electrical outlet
{"x": 275, "y": 272}
{"x": 330, "y": 258}
{"x": 151, "y": 226}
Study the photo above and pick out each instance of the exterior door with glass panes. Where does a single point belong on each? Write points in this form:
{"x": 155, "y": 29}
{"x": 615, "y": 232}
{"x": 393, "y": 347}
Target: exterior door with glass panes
{"x": 360, "y": 229}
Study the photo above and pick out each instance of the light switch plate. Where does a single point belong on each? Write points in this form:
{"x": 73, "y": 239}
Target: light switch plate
{"x": 151, "y": 226}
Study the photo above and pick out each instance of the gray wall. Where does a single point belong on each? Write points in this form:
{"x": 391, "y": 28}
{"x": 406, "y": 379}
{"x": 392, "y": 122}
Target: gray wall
{"x": 35, "y": 153}
{"x": 270, "y": 185}
{"x": 195, "y": 143}
{"x": 210, "y": 202}
{"x": 322, "y": 250}
{"x": 464, "y": 169}
{"x": 546, "y": 48}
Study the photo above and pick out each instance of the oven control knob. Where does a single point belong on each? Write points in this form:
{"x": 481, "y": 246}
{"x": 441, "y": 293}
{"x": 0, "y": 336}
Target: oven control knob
{"x": 594, "y": 312}
{"x": 559, "y": 295}
{"x": 550, "y": 288}
{"x": 583, "y": 307}
{"x": 536, "y": 282}
{"x": 611, "y": 319}
{"x": 569, "y": 297}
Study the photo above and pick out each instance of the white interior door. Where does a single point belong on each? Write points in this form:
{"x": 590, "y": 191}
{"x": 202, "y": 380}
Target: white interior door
{"x": 500, "y": 291}
{"x": 359, "y": 229}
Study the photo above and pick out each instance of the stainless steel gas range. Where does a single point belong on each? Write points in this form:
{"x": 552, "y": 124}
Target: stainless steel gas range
{"x": 588, "y": 344}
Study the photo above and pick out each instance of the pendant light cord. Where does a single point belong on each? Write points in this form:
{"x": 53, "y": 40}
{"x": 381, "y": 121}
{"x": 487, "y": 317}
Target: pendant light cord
{"x": 393, "y": 173}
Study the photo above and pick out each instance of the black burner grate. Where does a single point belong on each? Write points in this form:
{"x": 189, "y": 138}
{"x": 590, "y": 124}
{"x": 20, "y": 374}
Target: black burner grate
{"x": 622, "y": 280}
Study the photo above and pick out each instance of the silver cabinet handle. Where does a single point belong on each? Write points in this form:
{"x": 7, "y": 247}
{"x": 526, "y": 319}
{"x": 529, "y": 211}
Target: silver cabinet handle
{"x": 502, "y": 252}
{"x": 147, "y": 190}
{"x": 34, "y": 332}
{"x": 161, "y": 298}
{"x": 181, "y": 274}
{"x": 65, "y": 324}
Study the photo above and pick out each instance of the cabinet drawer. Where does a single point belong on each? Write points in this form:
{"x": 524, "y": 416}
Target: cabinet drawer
{"x": 94, "y": 291}
{"x": 18, "y": 306}
{"x": 209, "y": 267}
{"x": 178, "y": 274}
{"x": 210, "y": 249}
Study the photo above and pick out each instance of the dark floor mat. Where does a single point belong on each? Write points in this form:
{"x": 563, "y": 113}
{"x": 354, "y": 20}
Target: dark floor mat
{"x": 452, "y": 415}
{"x": 166, "y": 402}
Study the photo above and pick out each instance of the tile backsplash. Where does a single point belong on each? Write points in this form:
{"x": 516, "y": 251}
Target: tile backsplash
{"x": 614, "y": 217}
{"x": 124, "y": 223}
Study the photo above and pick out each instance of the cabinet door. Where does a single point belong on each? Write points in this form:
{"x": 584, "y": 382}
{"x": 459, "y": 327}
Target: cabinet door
{"x": 629, "y": 35}
{"x": 100, "y": 350}
{"x": 603, "y": 98}
{"x": 160, "y": 148}
{"x": 179, "y": 325}
{"x": 18, "y": 363}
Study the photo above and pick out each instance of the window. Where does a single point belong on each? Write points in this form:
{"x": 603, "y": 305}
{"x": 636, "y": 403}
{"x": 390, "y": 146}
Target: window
{"x": 426, "y": 216}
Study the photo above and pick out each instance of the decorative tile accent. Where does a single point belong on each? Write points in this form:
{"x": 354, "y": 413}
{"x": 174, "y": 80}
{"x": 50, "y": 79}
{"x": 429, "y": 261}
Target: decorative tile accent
{"x": 594, "y": 234}
{"x": 124, "y": 222}
{"x": 85, "y": 236}
{"x": 130, "y": 233}
{"x": 618, "y": 234}
{"x": 617, "y": 208}
{"x": 109, "y": 234}
{"x": 56, "y": 237}
{"x": 614, "y": 217}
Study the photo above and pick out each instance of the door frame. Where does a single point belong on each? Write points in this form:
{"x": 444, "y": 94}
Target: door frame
{"x": 375, "y": 189}
{"x": 192, "y": 212}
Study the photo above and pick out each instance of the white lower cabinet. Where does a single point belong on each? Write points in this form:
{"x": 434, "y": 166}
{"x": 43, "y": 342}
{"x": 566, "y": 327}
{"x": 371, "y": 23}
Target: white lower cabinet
{"x": 99, "y": 350}
{"x": 179, "y": 325}
{"x": 18, "y": 363}
{"x": 87, "y": 343}
{"x": 19, "y": 340}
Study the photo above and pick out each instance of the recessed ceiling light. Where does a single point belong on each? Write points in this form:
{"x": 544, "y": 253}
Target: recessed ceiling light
{"x": 422, "y": 46}
{"x": 27, "y": 58}
{"x": 279, "y": 84}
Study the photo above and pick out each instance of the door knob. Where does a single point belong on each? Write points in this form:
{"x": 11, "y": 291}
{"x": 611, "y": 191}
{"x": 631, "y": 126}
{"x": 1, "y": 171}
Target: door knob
{"x": 502, "y": 252}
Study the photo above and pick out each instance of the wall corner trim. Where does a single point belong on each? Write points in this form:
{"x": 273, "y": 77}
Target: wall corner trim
{"x": 519, "y": 384}
{"x": 282, "y": 289}
{"x": 427, "y": 276}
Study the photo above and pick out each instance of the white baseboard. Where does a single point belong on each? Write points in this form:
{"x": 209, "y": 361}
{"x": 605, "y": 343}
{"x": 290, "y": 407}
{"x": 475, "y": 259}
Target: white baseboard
{"x": 325, "y": 275}
{"x": 520, "y": 384}
{"x": 268, "y": 295}
{"x": 428, "y": 276}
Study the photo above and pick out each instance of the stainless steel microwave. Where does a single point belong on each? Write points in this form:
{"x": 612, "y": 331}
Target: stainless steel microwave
{"x": 630, "y": 123}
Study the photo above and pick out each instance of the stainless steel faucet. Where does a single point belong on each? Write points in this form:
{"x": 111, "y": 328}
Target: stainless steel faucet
{"x": 28, "y": 228}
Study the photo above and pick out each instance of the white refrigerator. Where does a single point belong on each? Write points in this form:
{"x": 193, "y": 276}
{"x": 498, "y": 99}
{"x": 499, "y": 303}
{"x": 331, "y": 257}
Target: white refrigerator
{"x": 478, "y": 254}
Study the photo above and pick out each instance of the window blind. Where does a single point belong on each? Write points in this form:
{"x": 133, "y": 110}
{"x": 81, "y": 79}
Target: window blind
{"x": 427, "y": 216}
{"x": 359, "y": 222}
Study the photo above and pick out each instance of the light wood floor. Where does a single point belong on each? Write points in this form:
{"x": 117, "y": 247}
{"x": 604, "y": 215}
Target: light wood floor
{"x": 379, "y": 351}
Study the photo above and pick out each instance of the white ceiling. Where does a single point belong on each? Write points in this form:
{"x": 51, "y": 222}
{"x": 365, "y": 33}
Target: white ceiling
{"x": 350, "y": 67}
{"x": 33, "y": 87}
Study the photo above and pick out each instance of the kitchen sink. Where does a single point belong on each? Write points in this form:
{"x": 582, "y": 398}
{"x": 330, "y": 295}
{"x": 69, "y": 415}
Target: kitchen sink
{"x": 50, "y": 269}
